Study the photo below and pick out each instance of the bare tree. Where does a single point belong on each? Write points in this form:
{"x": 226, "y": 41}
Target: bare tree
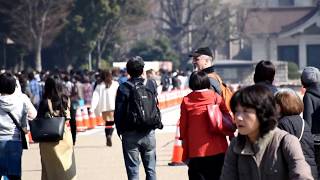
{"x": 128, "y": 12}
{"x": 107, "y": 35}
{"x": 190, "y": 24}
{"x": 34, "y": 24}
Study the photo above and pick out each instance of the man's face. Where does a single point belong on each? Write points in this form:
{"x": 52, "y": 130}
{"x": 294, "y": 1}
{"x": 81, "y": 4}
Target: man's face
{"x": 200, "y": 62}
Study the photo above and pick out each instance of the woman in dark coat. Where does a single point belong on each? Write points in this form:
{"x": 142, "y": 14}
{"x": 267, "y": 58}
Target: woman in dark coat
{"x": 290, "y": 106}
{"x": 310, "y": 79}
{"x": 261, "y": 150}
{"x": 57, "y": 158}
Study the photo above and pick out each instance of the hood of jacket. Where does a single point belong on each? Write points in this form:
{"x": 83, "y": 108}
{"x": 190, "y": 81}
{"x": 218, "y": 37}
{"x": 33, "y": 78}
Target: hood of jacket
{"x": 314, "y": 90}
{"x": 197, "y": 99}
{"x": 8, "y": 102}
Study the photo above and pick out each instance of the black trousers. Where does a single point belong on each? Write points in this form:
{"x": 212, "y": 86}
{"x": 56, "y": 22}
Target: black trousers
{"x": 317, "y": 155}
{"x": 73, "y": 125}
{"x": 206, "y": 168}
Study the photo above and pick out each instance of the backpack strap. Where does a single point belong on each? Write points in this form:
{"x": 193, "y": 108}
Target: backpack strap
{"x": 302, "y": 129}
{"x": 130, "y": 84}
{"x": 216, "y": 76}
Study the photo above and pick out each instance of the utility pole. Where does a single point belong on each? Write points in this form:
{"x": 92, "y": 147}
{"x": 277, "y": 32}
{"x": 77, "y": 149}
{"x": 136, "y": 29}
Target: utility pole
{"x": 90, "y": 61}
{"x": 4, "y": 53}
{"x": 190, "y": 31}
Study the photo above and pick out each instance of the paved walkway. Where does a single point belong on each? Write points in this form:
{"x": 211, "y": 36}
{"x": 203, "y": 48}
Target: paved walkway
{"x": 96, "y": 161}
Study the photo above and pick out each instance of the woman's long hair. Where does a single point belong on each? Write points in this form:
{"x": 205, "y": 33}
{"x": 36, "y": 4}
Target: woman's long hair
{"x": 106, "y": 77}
{"x": 53, "y": 90}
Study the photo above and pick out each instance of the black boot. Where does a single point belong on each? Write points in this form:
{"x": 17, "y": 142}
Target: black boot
{"x": 109, "y": 141}
{"x": 108, "y": 132}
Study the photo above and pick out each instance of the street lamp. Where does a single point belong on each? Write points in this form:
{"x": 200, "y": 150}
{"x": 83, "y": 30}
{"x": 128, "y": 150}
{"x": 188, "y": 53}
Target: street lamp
{"x": 5, "y": 42}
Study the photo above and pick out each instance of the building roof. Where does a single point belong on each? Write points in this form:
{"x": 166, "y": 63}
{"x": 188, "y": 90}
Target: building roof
{"x": 276, "y": 20}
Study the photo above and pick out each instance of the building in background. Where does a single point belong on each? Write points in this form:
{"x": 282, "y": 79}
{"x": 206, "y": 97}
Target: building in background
{"x": 278, "y": 3}
{"x": 287, "y": 30}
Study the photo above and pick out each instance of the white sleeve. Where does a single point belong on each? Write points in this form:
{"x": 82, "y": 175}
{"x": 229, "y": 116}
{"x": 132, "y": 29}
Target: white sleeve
{"x": 31, "y": 110}
{"x": 95, "y": 98}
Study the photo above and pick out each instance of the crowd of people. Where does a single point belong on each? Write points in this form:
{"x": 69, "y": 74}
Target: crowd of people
{"x": 277, "y": 137}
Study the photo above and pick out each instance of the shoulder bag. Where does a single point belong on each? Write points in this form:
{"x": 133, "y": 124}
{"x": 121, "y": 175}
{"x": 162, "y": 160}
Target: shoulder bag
{"x": 302, "y": 129}
{"x": 219, "y": 122}
{"x": 47, "y": 129}
{"x": 24, "y": 139}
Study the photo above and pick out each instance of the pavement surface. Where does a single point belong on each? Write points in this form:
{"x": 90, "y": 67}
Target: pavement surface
{"x": 96, "y": 161}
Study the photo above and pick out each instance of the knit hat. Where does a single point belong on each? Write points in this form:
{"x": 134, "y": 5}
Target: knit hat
{"x": 310, "y": 75}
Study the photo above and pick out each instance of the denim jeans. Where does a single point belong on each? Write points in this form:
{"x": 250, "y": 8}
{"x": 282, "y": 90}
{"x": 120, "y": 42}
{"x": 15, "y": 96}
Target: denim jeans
{"x": 139, "y": 143}
{"x": 10, "y": 158}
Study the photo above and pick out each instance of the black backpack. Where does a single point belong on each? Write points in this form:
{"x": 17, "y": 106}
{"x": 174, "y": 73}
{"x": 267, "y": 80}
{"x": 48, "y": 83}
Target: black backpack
{"x": 143, "y": 111}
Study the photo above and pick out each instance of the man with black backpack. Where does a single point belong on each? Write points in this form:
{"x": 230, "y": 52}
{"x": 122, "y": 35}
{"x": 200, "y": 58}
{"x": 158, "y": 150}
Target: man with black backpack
{"x": 136, "y": 117}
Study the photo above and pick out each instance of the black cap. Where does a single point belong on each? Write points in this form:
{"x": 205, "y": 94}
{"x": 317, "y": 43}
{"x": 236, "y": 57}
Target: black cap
{"x": 201, "y": 51}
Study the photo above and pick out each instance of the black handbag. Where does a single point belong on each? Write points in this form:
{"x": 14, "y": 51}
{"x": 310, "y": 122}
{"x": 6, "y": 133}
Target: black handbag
{"x": 47, "y": 129}
{"x": 24, "y": 141}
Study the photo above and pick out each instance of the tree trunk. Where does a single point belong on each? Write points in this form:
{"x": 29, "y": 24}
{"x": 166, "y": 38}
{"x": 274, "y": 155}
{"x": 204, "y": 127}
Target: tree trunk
{"x": 38, "y": 56}
{"x": 99, "y": 54}
{"x": 21, "y": 62}
{"x": 90, "y": 61}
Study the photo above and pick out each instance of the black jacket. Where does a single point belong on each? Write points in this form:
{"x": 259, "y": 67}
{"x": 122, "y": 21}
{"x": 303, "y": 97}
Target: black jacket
{"x": 269, "y": 85}
{"x": 293, "y": 125}
{"x": 121, "y": 105}
{"x": 214, "y": 83}
{"x": 311, "y": 113}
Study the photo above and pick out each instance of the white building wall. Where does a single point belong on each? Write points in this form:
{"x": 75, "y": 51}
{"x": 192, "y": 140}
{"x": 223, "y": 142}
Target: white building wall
{"x": 273, "y": 49}
{"x": 302, "y": 42}
{"x": 259, "y": 49}
{"x": 303, "y": 3}
{"x": 274, "y": 3}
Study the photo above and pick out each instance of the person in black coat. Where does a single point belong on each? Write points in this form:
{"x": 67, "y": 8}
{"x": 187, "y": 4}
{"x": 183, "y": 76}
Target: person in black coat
{"x": 310, "y": 79}
{"x": 290, "y": 106}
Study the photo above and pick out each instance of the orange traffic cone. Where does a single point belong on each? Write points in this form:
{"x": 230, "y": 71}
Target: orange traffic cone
{"x": 30, "y": 138}
{"x": 79, "y": 121}
{"x": 162, "y": 101}
{"x": 92, "y": 119}
{"x": 177, "y": 150}
{"x": 100, "y": 121}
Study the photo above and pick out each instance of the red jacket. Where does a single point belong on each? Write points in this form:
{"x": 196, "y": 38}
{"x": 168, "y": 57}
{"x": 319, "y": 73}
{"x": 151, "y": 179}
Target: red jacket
{"x": 198, "y": 141}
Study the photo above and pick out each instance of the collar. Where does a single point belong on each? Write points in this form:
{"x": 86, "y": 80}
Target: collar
{"x": 247, "y": 148}
{"x": 137, "y": 80}
{"x": 208, "y": 69}
{"x": 134, "y": 79}
{"x": 201, "y": 90}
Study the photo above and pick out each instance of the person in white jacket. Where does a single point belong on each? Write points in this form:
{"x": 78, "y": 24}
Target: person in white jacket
{"x": 31, "y": 110}
{"x": 10, "y": 136}
{"x": 103, "y": 102}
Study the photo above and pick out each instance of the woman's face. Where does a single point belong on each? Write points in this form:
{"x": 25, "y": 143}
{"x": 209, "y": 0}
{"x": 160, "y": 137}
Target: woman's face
{"x": 247, "y": 122}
